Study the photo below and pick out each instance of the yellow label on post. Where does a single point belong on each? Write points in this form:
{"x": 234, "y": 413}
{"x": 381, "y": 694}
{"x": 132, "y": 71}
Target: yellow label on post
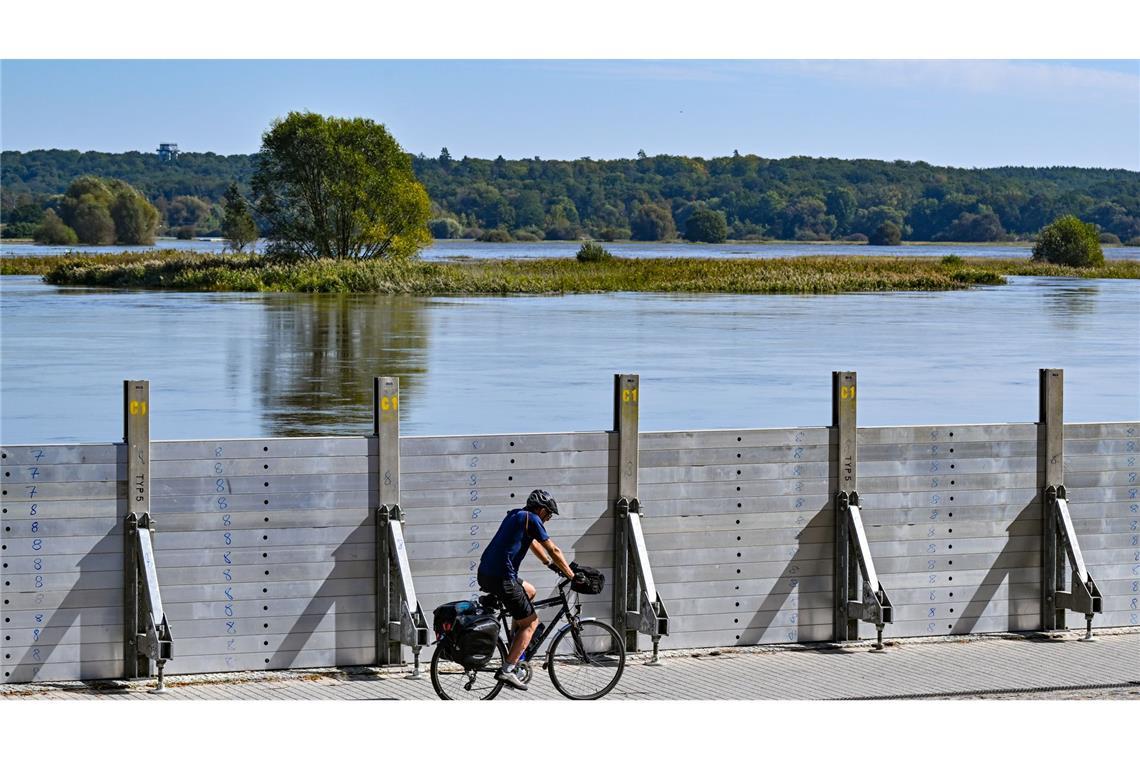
{"x": 138, "y": 408}
{"x": 389, "y": 403}
{"x": 846, "y": 392}
{"x": 629, "y": 396}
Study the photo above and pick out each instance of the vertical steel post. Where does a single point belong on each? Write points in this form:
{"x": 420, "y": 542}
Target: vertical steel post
{"x": 843, "y": 419}
{"x": 1051, "y": 456}
{"x": 626, "y": 391}
{"x": 386, "y": 428}
{"x": 136, "y": 437}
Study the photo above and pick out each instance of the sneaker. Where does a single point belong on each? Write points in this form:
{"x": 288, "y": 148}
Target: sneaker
{"x": 510, "y": 679}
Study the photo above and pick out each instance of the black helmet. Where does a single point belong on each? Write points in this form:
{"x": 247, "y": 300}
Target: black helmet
{"x": 540, "y": 499}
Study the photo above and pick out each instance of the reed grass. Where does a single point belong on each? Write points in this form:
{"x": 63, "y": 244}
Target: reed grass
{"x": 808, "y": 274}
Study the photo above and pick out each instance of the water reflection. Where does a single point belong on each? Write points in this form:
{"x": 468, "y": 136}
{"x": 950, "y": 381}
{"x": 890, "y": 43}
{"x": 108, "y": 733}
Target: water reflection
{"x": 1067, "y": 304}
{"x": 320, "y": 353}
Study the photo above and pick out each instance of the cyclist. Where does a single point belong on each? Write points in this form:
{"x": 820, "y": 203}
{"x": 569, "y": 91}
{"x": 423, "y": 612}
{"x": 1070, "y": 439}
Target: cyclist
{"x": 520, "y": 530}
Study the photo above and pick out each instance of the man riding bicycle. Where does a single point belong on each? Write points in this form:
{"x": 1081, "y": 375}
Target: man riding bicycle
{"x": 520, "y": 530}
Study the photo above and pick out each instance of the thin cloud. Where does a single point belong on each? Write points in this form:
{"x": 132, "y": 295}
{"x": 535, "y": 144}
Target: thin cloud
{"x": 1036, "y": 79}
{"x": 662, "y": 71}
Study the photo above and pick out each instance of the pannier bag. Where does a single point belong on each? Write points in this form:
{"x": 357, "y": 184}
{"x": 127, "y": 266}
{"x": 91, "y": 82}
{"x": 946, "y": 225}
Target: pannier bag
{"x": 594, "y": 581}
{"x": 443, "y": 618}
{"x": 474, "y": 640}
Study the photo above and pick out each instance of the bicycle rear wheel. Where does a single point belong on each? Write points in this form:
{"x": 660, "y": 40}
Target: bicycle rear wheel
{"x": 452, "y": 682}
{"x": 586, "y": 662}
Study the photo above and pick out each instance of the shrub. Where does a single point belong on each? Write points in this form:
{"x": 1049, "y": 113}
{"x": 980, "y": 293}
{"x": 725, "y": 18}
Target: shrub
{"x": 856, "y": 237}
{"x": 563, "y": 232}
{"x": 52, "y": 231}
{"x": 1069, "y": 241}
{"x": 185, "y": 232}
{"x": 592, "y": 252}
{"x": 445, "y": 229}
{"x": 887, "y": 233}
{"x": 652, "y": 223}
{"x": 953, "y": 260}
{"x": 497, "y": 235}
{"x": 523, "y": 236}
{"x": 610, "y": 234}
{"x": 19, "y": 230}
{"x": 706, "y": 226}
{"x": 1134, "y": 241}
{"x": 1107, "y": 238}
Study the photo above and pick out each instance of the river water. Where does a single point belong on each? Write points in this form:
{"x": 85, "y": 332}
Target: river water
{"x": 450, "y": 249}
{"x": 247, "y": 365}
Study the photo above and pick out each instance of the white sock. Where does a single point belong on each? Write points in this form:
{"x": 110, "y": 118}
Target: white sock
{"x": 508, "y": 668}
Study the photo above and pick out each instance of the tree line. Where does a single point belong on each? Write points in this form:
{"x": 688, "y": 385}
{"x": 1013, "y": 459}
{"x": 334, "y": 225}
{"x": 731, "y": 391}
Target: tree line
{"x": 741, "y": 197}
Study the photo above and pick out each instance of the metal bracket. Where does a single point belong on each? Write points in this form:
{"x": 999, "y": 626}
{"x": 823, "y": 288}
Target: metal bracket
{"x": 411, "y": 628}
{"x": 151, "y": 631}
{"x": 1083, "y": 596}
{"x": 874, "y": 606}
{"x": 650, "y": 617}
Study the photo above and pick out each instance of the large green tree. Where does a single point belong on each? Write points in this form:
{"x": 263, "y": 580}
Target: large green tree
{"x": 338, "y": 188}
{"x": 136, "y": 220}
{"x": 237, "y": 226}
{"x": 653, "y": 222}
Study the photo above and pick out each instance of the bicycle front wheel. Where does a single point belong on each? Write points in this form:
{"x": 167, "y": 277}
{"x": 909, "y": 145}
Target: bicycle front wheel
{"x": 586, "y": 661}
{"x": 452, "y": 682}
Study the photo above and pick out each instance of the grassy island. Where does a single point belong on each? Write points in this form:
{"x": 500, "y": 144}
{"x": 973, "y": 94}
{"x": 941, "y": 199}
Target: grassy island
{"x": 809, "y": 274}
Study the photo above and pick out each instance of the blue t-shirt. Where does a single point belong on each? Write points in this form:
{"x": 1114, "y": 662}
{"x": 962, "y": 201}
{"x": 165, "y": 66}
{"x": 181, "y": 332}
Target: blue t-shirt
{"x": 507, "y": 549}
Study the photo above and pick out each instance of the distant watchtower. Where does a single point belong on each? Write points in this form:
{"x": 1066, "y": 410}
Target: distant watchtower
{"x": 167, "y": 151}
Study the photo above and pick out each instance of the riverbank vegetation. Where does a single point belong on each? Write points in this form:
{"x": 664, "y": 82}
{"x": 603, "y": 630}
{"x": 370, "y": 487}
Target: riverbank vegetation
{"x": 809, "y": 274}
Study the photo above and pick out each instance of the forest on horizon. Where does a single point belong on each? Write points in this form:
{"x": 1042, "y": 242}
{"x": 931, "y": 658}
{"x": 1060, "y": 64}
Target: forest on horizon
{"x": 646, "y": 198}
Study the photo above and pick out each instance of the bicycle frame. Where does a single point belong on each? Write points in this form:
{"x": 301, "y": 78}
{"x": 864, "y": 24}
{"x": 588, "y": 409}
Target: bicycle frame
{"x": 536, "y": 642}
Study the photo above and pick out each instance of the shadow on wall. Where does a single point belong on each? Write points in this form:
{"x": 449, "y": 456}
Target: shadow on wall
{"x": 327, "y": 599}
{"x": 93, "y": 656}
{"x": 1007, "y": 567}
{"x": 786, "y": 585}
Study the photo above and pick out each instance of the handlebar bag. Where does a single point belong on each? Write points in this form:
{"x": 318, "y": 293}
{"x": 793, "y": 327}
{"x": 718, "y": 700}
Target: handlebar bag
{"x": 594, "y": 580}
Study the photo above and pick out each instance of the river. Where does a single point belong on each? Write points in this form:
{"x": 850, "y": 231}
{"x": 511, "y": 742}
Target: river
{"x": 275, "y": 364}
{"x": 451, "y": 249}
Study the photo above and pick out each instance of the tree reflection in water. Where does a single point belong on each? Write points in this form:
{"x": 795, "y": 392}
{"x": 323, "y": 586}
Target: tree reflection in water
{"x": 322, "y": 351}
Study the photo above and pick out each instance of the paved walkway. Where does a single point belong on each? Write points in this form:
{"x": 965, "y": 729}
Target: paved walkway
{"x": 956, "y": 667}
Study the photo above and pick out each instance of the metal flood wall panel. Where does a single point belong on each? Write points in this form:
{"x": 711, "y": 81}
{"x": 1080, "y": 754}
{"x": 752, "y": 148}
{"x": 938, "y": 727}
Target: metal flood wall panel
{"x": 1101, "y": 480}
{"x": 953, "y": 518}
{"x": 62, "y": 556}
{"x": 739, "y": 532}
{"x": 266, "y": 552}
{"x": 266, "y": 547}
{"x": 456, "y": 491}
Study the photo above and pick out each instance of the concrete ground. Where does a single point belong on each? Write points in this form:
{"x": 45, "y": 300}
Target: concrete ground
{"x": 968, "y": 667}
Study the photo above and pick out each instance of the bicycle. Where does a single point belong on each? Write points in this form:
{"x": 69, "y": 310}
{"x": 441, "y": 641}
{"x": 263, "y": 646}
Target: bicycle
{"x": 585, "y": 659}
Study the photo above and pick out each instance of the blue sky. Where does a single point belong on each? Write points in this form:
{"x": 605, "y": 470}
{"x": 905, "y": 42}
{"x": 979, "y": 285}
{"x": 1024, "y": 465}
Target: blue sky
{"x": 958, "y": 113}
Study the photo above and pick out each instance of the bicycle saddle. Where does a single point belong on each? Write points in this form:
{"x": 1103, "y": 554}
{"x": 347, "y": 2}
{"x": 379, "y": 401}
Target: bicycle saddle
{"x": 489, "y": 602}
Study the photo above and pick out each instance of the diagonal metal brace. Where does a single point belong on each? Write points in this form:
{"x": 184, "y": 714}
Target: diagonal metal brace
{"x": 874, "y": 606}
{"x": 411, "y": 628}
{"x": 1083, "y": 596}
{"x": 651, "y": 617}
{"x": 153, "y": 631}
